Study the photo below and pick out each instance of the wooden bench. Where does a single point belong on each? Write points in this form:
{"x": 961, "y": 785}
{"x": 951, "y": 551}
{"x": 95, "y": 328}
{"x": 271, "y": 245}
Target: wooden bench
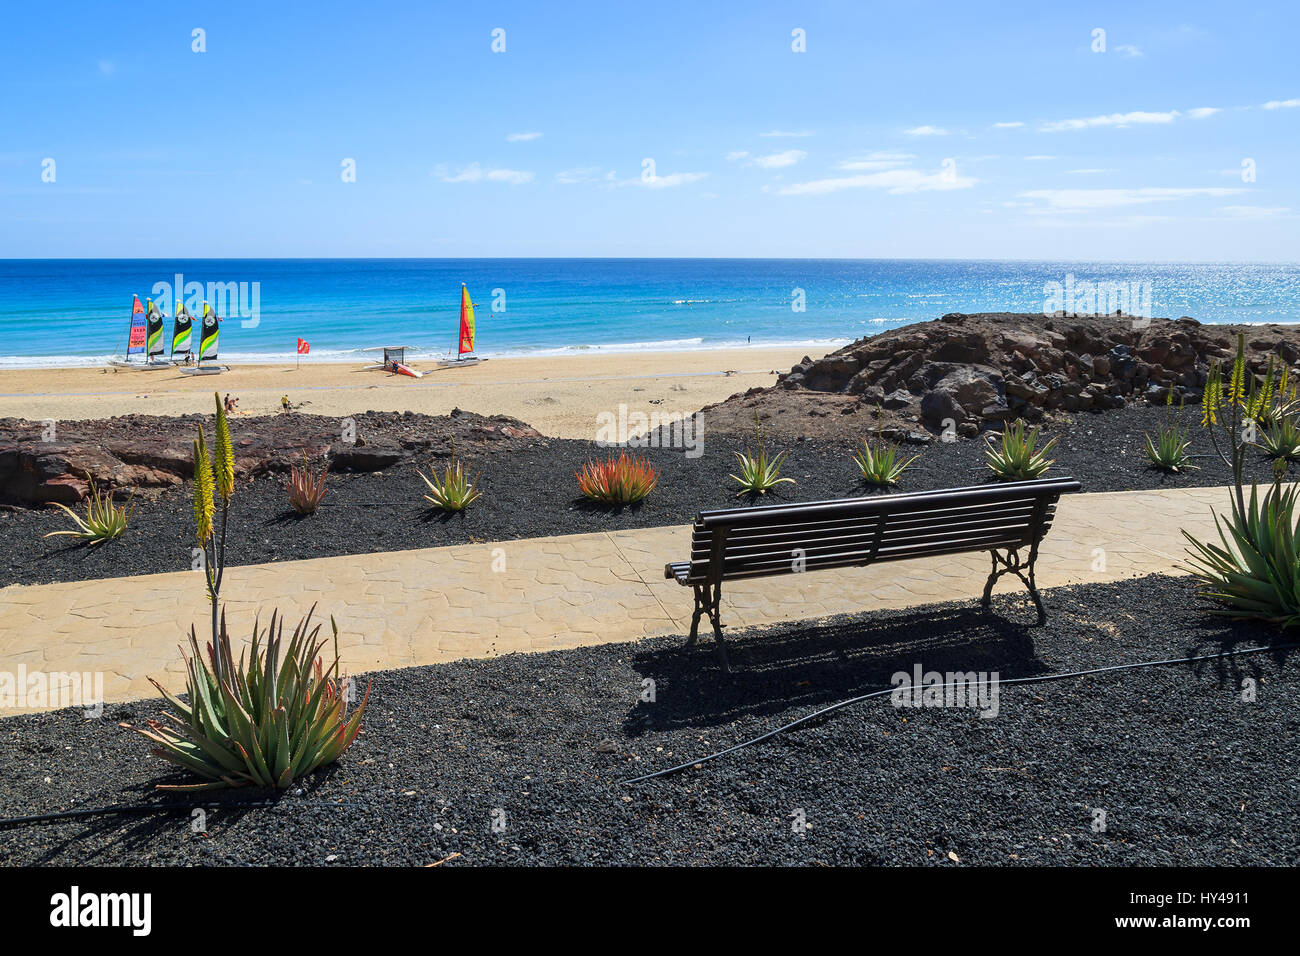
{"x": 752, "y": 542}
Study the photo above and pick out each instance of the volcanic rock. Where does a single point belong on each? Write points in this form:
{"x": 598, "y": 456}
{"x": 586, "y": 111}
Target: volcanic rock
{"x": 984, "y": 369}
{"x": 151, "y": 452}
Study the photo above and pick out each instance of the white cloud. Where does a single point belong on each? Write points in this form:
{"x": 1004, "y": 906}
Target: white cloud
{"x": 926, "y": 131}
{"x": 1074, "y": 200}
{"x": 583, "y": 174}
{"x": 779, "y": 160}
{"x": 1038, "y": 158}
{"x": 785, "y": 133}
{"x": 474, "y": 173}
{"x": 1089, "y": 172}
{"x": 1201, "y": 112}
{"x": 522, "y": 137}
{"x": 1281, "y": 104}
{"x": 737, "y": 154}
{"x": 1111, "y": 119}
{"x": 1014, "y": 125}
{"x": 873, "y": 162}
{"x": 892, "y": 180}
{"x": 1128, "y": 50}
{"x": 1254, "y": 212}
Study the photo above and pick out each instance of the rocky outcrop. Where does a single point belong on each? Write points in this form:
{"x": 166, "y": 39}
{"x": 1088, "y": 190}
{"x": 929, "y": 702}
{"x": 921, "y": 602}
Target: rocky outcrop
{"x": 40, "y": 462}
{"x": 972, "y": 372}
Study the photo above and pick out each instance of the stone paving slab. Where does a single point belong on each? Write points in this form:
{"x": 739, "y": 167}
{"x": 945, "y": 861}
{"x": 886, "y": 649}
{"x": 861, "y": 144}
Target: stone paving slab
{"x": 407, "y": 608}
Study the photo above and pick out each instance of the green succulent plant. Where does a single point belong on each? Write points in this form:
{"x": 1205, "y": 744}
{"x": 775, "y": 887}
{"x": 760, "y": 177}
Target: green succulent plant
{"x": 276, "y": 713}
{"x": 1253, "y": 572}
{"x": 758, "y": 473}
{"x": 104, "y": 519}
{"x": 454, "y": 490}
{"x": 1017, "y": 456}
{"x": 274, "y": 716}
{"x": 1168, "y": 450}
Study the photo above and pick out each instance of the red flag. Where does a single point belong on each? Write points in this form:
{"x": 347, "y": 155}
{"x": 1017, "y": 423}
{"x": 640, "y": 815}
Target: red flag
{"x": 303, "y": 347}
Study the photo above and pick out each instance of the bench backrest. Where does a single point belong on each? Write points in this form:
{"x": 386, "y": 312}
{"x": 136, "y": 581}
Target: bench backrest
{"x": 783, "y": 539}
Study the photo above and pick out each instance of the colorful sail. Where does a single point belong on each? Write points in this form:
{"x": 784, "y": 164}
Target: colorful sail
{"x": 154, "y": 330}
{"x": 208, "y": 334}
{"x": 181, "y": 330}
{"x": 135, "y": 343}
{"x": 466, "y": 321}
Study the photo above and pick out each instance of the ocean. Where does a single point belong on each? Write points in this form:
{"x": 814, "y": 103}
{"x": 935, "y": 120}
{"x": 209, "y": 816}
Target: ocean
{"x": 76, "y": 312}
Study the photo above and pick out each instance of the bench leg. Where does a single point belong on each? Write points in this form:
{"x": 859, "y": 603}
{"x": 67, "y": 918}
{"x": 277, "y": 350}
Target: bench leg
{"x": 695, "y": 617}
{"x": 1011, "y": 564}
{"x": 708, "y": 599}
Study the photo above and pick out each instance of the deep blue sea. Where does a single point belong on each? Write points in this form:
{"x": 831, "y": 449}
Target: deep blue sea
{"x": 62, "y": 312}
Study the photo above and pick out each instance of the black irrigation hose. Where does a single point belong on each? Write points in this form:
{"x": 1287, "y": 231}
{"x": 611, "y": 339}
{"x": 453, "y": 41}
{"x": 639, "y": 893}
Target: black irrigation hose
{"x": 159, "y": 808}
{"x": 1042, "y": 678}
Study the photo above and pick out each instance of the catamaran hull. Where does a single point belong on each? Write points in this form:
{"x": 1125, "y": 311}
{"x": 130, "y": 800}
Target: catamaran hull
{"x": 199, "y": 370}
{"x": 460, "y": 363}
{"x": 140, "y": 366}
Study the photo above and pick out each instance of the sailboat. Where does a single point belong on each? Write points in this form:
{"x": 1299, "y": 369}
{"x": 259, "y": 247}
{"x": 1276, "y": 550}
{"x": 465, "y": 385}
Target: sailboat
{"x": 182, "y": 351}
{"x": 154, "y": 339}
{"x": 209, "y": 330}
{"x": 144, "y": 332}
{"x": 465, "y": 341}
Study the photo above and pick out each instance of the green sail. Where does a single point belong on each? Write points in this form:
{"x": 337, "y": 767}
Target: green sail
{"x": 181, "y": 331}
{"x": 208, "y": 334}
{"x": 154, "y": 326}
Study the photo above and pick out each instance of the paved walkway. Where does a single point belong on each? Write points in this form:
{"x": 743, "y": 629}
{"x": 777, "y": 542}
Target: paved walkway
{"x": 405, "y": 608}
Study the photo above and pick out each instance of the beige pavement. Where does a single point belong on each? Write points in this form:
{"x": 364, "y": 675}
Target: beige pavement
{"x": 406, "y": 608}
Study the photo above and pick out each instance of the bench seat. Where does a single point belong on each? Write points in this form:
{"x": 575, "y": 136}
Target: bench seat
{"x": 738, "y": 543}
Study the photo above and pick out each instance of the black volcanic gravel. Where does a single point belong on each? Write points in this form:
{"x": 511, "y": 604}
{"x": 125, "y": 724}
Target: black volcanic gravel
{"x": 530, "y": 491}
{"x": 1185, "y": 771}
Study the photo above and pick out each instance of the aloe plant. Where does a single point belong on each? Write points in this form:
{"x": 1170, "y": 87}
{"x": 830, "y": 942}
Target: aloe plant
{"x": 1280, "y": 440}
{"x": 275, "y": 716}
{"x": 453, "y": 491}
{"x": 104, "y": 520}
{"x": 618, "y": 481}
{"x": 1018, "y": 457}
{"x": 758, "y": 473}
{"x": 881, "y": 465}
{"x": 1168, "y": 450}
{"x": 276, "y": 713}
{"x": 1254, "y": 570}
{"x": 306, "y": 487}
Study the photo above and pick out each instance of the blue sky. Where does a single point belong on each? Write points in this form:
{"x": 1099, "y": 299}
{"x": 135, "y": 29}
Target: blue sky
{"x": 960, "y": 130}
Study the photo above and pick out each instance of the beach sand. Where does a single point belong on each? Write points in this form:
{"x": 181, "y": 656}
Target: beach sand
{"x": 560, "y": 396}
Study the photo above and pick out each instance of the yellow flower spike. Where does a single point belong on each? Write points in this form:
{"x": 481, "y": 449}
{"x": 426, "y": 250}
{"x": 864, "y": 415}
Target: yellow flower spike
{"x": 1237, "y": 383}
{"x": 223, "y": 451}
{"x": 1210, "y": 398}
{"x": 203, "y": 505}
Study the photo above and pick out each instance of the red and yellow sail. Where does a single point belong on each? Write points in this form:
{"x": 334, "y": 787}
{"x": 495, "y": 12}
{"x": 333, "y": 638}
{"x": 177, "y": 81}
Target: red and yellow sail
{"x": 466, "y": 321}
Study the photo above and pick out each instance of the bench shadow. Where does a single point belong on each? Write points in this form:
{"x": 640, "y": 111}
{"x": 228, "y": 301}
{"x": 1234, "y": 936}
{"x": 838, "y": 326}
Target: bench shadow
{"x": 780, "y": 667}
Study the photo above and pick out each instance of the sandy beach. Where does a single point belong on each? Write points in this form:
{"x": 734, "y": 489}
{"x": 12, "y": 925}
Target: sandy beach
{"x": 558, "y": 395}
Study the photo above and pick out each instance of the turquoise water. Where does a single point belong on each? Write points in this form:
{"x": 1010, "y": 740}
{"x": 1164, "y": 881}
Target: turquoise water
{"x": 59, "y": 312}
